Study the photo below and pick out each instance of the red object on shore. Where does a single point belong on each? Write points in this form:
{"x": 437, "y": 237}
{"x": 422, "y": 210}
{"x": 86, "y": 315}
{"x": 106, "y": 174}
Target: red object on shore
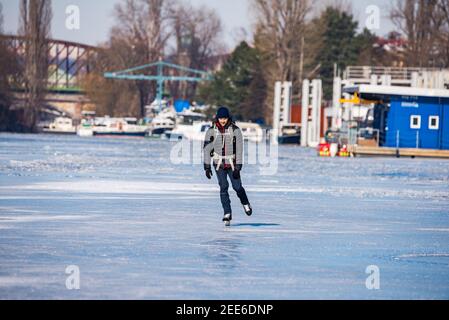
{"x": 324, "y": 149}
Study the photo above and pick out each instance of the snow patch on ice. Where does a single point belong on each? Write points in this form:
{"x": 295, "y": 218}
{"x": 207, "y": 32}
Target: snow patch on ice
{"x": 423, "y": 255}
{"x": 434, "y": 229}
{"x": 117, "y": 187}
{"x": 11, "y": 281}
{"x": 195, "y": 189}
{"x": 34, "y": 218}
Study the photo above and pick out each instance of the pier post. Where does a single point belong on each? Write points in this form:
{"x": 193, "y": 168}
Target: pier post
{"x": 305, "y": 112}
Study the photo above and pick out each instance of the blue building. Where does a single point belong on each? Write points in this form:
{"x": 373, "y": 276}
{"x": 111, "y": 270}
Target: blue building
{"x": 415, "y": 117}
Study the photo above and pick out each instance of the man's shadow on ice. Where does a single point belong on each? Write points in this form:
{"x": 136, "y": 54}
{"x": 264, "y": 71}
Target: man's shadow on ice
{"x": 257, "y": 225}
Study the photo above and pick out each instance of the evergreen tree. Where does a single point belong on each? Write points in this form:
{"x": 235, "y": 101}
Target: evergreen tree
{"x": 239, "y": 85}
{"x": 339, "y": 45}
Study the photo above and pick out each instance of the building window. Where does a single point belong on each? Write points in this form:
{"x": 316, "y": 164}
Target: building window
{"x": 415, "y": 122}
{"x": 434, "y": 122}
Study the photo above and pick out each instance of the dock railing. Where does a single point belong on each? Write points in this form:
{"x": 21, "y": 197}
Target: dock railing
{"x": 367, "y": 137}
{"x": 408, "y": 140}
{"x": 415, "y": 77}
{"x": 396, "y": 73}
{"x": 374, "y": 138}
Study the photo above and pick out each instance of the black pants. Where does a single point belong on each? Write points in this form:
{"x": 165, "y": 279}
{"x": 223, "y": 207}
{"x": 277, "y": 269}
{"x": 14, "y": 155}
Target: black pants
{"x": 222, "y": 176}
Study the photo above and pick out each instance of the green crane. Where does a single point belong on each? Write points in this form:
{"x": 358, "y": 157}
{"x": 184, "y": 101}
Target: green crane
{"x": 130, "y": 74}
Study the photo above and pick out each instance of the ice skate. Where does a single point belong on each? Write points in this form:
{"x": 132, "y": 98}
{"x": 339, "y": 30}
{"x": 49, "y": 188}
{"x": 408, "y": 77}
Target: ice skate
{"x": 248, "y": 209}
{"x": 227, "y": 219}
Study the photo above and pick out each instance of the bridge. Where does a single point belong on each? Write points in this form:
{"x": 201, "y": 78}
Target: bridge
{"x": 68, "y": 63}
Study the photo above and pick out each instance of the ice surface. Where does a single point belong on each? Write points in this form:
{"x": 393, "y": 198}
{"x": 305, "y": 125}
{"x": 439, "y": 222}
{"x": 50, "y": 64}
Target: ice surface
{"x": 140, "y": 227}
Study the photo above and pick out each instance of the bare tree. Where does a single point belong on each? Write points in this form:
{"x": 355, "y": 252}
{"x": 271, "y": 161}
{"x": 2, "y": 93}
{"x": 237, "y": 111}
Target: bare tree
{"x": 339, "y": 5}
{"x": 420, "y": 22}
{"x": 35, "y": 20}
{"x": 113, "y": 98}
{"x": 5, "y": 71}
{"x": 441, "y": 19}
{"x": 10, "y": 76}
{"x": 279, "y": 33}
{"x": 197, "y": 39}
{"x": 142, "y": 33}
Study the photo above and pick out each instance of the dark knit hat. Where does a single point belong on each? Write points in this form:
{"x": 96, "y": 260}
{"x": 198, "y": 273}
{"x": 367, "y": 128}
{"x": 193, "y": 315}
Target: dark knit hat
{"x": 223, "y": 112}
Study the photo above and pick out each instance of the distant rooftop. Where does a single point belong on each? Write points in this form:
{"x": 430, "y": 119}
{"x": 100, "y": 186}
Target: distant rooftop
{"x": 397, "y": 91}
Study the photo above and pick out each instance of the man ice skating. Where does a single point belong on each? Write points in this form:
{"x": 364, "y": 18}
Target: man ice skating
{"x": 224, "y": 146}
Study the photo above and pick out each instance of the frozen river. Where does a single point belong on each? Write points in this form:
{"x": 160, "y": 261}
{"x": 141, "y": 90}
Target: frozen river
{"x": 136, "y": 226}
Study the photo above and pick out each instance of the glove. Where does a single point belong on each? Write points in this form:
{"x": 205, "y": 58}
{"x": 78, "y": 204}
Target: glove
{"x": 236, "y": 174}
{"x": 209, "y": 174}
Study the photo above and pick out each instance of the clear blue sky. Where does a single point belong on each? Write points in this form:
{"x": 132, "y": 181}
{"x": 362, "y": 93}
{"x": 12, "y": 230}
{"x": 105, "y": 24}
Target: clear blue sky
{"x": 96, "y": 17}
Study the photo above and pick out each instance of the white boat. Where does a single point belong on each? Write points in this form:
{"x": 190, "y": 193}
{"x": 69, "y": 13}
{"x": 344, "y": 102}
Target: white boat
{"x": 190, "y": 125}
{"x": 290, "y": 134}
{"x": 251, "y": 131}
{"x": 118, "y": 127}
{"x": 61, "y": 125}
{"x": 156, "y": 107}
{"x": 85, "y": 129}
{"x": 164, "y": 121}
{"x": 195, "y": 131}
{"x": 106, "y": 126}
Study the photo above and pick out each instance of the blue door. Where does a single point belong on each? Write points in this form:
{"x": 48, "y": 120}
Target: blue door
{"x": 430, "y": 132}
